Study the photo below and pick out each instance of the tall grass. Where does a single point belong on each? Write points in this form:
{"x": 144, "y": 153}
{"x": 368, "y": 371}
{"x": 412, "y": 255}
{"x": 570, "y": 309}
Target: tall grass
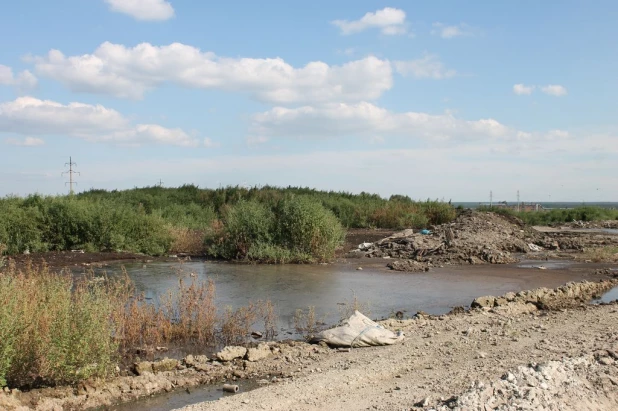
{"x": 54, "y": 330}
{"x": 58, "y": 329}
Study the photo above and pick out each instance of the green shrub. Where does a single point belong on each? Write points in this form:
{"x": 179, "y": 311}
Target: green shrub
{"x": 306, "y": 227}
{"x": 245, "y": 224}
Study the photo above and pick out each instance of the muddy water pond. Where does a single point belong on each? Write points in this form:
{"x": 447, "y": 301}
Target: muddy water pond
{"x": 326, "y": 287}
{"x": 329, "y": 287}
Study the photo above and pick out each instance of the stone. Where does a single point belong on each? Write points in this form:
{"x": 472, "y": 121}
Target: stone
{"x": 166, "y": 364}
{"x": 510, "y": 296}
{"x": 606, "y": 361}
{"x": 255, "y": 354}
{"x": 142, "y": 368}
{"x": 230, "y": 353}
{"x": 501, "y": 301}
{"x": 486, "y": 301}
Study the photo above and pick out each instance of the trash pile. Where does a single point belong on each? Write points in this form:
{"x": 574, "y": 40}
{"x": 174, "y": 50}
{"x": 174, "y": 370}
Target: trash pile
{"x": 473, "y": 238}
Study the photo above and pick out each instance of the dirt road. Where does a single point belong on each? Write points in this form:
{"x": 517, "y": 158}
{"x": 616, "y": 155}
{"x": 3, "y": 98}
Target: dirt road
{"x": 482, "y": 360}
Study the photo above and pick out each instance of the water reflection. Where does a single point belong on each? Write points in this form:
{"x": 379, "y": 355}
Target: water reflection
{"x": 291, "y": 287}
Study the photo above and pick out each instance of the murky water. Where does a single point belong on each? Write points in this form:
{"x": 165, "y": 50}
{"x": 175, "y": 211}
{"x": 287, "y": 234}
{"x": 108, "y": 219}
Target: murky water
{"x": 292, "y": 287}
{"x": 327, "y": 287}
{"x": 179, "y": 399}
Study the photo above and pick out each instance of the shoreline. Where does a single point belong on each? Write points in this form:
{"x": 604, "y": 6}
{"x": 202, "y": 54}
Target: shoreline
{"x": 292, "y": 370}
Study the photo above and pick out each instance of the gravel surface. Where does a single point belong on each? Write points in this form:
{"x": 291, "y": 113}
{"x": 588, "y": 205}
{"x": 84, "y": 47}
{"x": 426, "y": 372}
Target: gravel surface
{"x": 557, "y": 360}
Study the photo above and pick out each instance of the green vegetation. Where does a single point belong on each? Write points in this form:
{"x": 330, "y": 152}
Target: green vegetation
{"x": 584, "y": 213}
{"x": 265, "y": 224}
{"x": 59, "y": 329}
{"x": 54, "y": 330}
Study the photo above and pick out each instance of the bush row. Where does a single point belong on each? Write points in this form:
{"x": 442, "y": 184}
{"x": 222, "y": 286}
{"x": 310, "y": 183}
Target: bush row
{"x": 258, "y": 224}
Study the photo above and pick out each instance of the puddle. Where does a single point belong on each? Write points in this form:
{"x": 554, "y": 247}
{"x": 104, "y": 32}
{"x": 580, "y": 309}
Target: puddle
{"x": 549, "y": 264}
{"x": 180, "y": 398}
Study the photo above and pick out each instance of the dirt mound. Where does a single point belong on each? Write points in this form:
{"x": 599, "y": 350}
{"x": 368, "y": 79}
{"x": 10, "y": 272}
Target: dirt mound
{"x": 473, "y": 238}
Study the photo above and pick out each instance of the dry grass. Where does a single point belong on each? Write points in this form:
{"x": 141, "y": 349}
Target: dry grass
{"x": 347, "y": 308}
{"x": 600, "y": 255}
{"x": 55, "y": 329}
{"x": 186, "y": 240}
{"x": 307, "y": 324}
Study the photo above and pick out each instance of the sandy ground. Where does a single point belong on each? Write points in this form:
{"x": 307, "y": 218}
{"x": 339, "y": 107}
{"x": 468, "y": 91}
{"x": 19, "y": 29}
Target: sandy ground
{"x": 467, "y": 361}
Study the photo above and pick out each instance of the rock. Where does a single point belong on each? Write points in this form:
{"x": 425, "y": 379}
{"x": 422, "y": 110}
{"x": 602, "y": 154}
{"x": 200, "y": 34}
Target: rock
{"x": 486, "y": 301}
{"x": 422, "y": 403}
{"x": 142, "y": 368}
{"x": 510, "y": 296}
{"x": 166, "y": 364}
{"x": 500, "y": 301}
{"x": 230, "y": 353}
{"x": 606, "y": 361}
{"x": 189, "y": 360}
{"x": 255, "y": 354}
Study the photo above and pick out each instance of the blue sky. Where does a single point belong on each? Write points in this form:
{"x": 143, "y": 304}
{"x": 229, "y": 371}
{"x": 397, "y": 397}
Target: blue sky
{"x": 429, "y": 99}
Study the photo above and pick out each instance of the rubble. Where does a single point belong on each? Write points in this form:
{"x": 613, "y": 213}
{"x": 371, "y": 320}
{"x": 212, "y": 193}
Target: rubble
{"x": 473, "y": 238}
{"x": 476, "y": 238}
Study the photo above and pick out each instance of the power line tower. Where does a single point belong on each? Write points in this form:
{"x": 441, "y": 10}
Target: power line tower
{"x": 70, "y": 173}
{"x": 160, "y": 184}
{"x": 518, "y": 200}
{"x": 491, "y": 198}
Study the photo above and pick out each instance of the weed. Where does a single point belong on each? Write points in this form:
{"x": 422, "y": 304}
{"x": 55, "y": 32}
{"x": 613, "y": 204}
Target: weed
{"x": 347, "y": 308}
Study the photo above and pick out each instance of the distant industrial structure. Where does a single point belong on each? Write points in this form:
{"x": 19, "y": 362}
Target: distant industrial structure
{"x": 515, "y": 207}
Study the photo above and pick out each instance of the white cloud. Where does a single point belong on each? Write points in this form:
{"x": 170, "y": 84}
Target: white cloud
{"x": 24, "y": 80}
{"x": 154, "y": 10}
{"x": 389, "y": 20}
{"x": 429, "y": 66}
{"x": 28, "y": 115}
{"x": 209, "y": 143}
{"x": 25, "y": 142}
{"x": 449, "y": 32}
{"x": 521, "y": 89}
{"x": 554, "y": 90}
{"x": 366, "y": 120}
{"x": 129, "y": 72}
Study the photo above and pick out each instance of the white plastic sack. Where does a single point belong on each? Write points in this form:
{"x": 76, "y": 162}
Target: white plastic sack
{"x": 358, "y": 331}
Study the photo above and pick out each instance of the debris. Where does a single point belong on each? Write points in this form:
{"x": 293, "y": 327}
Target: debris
{"x": 358, "y": 331}
{"x": 230, "y": 388}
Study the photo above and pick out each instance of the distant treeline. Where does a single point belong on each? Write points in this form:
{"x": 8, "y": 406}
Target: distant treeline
{"x": 544, "y": 217}
{"x": 268, "y": 224}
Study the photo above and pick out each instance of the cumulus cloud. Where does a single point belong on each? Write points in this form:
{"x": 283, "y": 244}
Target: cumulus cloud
{"x": 429, "y": 66}
{"x": 23, "y": 81}
{"x": 128, "y": 72}
{"x": 554, "y": 90}
{"x": 521, "y": 89}
{"x": 153, "y": 10}
{"x": 389, "y": 21}
{"x": 448, "y": 32}
{"x": 31, "y": 116}
{"x": 366, "y": 120}
{"x": 25, "y": 142}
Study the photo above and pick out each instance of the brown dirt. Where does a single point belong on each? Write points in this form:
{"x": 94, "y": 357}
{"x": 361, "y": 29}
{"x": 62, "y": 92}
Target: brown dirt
{"x": 356, "y": 236}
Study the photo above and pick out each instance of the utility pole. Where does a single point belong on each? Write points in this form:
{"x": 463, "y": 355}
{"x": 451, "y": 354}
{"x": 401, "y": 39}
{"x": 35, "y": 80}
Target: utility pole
{"x": 70, "y": 173}
{"x": 517, "y": 200}
{"x": 491, "y": 198}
